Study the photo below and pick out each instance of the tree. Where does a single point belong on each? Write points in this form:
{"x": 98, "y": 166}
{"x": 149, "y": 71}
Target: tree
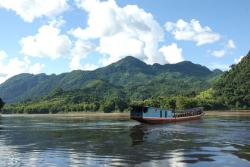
{"x": 108, "y": 106}
{"x": 172, "y": 104}
{"x": 1, "y": 104}
{"x": 185, "y": 102}
{"x": 233, "y": 86}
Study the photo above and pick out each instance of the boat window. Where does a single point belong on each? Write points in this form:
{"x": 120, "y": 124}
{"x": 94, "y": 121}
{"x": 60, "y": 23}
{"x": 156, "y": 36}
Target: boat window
{"x": 166, "y": 114}
{"x": 145, "y": 109}
{"x": 160, "y": 113}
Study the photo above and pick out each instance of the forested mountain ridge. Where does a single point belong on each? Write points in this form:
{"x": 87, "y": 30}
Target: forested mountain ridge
{"x": 233, "y": 87}
{"x": 130, "y": 75}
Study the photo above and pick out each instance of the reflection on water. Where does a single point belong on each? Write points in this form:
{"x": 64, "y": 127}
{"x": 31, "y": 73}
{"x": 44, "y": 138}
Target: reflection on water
{"x": 51, "y": 141}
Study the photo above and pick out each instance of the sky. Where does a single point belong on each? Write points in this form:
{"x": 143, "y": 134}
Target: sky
{"x": 45, "y": 36}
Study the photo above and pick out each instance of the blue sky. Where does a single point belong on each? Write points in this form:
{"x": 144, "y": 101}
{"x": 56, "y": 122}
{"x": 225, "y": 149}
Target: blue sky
{"x": 43, "y": 36}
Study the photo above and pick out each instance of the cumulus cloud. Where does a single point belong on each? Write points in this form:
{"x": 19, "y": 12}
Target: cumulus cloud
{"x": 3, "y": 55}
{"x": 121, "y": 31}
{"x": 222, "y": 52}
{"x": 119, "y": 46}
{"x": 28, "y": 10}
{"x": 237, "y": 60}
{"x": 172, "y": 53}
{"x": 80, "y": 50}
{"x": 89, "y": 67}
{"x": 36, "y": 68}
{"x": 48, "y": 42}
{"x": 218, "y": 53}
{"x": 230, "y": 44}
{"x": 192, "y": 31}
{"x": 13, "y": 66}
{"x": 57, "y": 22}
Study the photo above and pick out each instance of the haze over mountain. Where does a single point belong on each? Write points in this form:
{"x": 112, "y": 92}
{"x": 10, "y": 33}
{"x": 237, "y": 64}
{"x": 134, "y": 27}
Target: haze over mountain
{"x": 131, "y": 76}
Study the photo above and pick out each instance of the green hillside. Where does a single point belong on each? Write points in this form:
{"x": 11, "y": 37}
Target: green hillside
{"x": 112, "y": 88}
{"x": 137, "y": 79}
{"x": 233, "y": 88}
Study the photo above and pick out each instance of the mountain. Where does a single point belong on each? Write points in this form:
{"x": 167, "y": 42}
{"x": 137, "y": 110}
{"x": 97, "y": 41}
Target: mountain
{"x": 233, "y": 88}
{"x": 130, "y": 75}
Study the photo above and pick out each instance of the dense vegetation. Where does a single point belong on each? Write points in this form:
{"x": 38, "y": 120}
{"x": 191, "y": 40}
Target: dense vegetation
{"x": 130, "y": 81}
{"x": 233, "y": 88}
{"x": 1, "y": 104}
{"x": 108, "y": 100}
{"x": 137, "y": 79}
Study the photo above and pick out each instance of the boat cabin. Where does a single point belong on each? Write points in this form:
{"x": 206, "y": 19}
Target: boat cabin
{"x": 154, "y": 115}
{"x": 150, "y": 112}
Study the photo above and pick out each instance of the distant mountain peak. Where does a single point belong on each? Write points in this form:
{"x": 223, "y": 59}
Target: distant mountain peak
{"x": 217, "y": 71}
{"x": 128, "y": 73}
{"x": 185, "y": 62}
{"x": 130, "y": 59}
{"x": 129, "y": 63}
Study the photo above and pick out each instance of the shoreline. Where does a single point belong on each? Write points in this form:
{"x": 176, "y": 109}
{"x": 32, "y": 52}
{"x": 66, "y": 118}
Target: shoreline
{"x": 75, "y": 115}
{"x": 228, "y": 113}
{"x": 127, "y": 114}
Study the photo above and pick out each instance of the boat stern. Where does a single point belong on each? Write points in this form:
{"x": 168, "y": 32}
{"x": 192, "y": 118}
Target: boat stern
{"x": 137, "y": 112}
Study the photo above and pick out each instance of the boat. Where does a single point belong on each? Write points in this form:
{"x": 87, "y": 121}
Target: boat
{"x": 153, "y": 115}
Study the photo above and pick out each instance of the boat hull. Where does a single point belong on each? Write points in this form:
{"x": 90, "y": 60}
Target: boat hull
{"x": 167, "y": 120}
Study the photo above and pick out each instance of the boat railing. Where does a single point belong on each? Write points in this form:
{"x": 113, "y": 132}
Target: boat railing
{"x": 188, "y": 112}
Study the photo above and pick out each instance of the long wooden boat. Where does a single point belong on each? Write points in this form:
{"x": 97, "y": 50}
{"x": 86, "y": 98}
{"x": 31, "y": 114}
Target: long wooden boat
{"x": 152, "y": 115}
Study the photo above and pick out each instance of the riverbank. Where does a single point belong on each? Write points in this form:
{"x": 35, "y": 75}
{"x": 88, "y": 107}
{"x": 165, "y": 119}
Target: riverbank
{"x": 228, "y": 113}
{"x": 96, "y": 115}
{"x": 126, "y": 114}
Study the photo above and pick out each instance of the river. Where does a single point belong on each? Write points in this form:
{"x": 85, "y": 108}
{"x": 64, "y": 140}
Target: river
{"x": 66, "y": 141}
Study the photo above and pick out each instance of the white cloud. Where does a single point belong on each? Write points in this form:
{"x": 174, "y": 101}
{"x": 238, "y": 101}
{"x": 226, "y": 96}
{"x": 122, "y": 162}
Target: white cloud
{"x": 28, "y": 10}
{"x": 230, "y": 44}
{"x": 237, "y": 60}
{"x": 218, "y": 53}
{"x": 48, "y": 42}
{"x": 57, "y": 22}
{"x": 102, "y": 18}
{"x": 3, "y": 55}
{"x": 36, "y": 68}
{"x": 13, "y": 66}
{"x": 89, "y": 67}
{"x": 222, "y": 52}
{"x": 79, "y": 51}
{"x": 192, "y": 31}
{"x": 121, "y": 31}
{"x": 113, "y": 46}
{"x": 172, "y": 53}
{"x": 223, "y": 67}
